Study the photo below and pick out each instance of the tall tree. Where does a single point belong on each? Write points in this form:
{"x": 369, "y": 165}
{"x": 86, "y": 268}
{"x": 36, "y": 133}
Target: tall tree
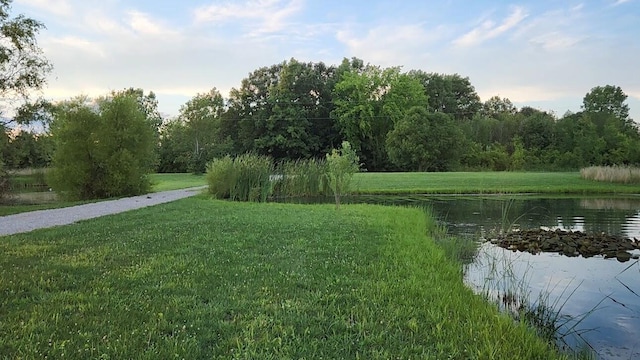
{"x": 424, "y": 141}
{"x": 201, "y": 116}
{"x": 496, "y": 107}
{"x": 608, "y": 98}
{"x": 23, "y": 67}
{"x": 450, "y": 94}
{"x": 368, "y": 102}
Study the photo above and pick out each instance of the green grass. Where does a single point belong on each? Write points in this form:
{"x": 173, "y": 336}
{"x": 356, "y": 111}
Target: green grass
{"x": 484, "y": 183}
{"x": 165, "y": 182}
{"x": 205, "y": 279}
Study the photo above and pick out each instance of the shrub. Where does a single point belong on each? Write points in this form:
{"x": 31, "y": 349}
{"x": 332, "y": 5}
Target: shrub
{"x": 341, "y": 165}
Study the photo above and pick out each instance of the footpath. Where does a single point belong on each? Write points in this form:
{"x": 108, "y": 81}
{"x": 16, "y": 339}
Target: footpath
{"x": 29, "y": 221}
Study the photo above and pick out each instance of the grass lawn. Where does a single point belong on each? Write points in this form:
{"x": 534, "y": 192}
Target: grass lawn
{"x": 164, "y": 182}
{"x": 203, "y": 279}
{"x": 484, "y": 183}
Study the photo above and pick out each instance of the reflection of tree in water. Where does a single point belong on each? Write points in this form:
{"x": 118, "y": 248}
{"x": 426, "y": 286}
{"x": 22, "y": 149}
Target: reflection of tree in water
{"x": 477, "y": 214}
{"x": 589, "y": 215}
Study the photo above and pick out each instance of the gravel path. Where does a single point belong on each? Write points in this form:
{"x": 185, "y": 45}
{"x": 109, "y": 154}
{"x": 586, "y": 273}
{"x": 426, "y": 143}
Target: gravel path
{"x": 25, "y": 222}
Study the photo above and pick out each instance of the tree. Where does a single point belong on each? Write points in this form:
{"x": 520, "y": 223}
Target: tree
{"x": 450, "y": 94}
{"x": 496, "y": 107}
{"x": 608, "y": 98}
{"x": 23, "y": 67}
{"x": 368, "y": 102}
{"x": 201, "y": 117}
{"x": 424, "y": 141}
{"x": 103, "y": 150}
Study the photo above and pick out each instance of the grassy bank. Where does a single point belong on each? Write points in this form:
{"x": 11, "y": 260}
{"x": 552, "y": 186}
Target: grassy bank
{"x": 209, "y": 279}
{"x": 485, "y": 183}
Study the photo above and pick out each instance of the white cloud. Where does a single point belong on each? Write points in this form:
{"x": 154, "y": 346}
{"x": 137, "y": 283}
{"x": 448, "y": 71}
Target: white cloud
{"x": 271, "y": 15}
{"x": 144, "y": 24}
{"x": 56, "y": 7}
{"x": 620, "y": 2}
{"x": 489, "y": 30}
{"x": 392, "y": 45}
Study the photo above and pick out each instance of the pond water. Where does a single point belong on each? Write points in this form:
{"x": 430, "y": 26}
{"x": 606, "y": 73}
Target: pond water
{"x": 598, "y": 299}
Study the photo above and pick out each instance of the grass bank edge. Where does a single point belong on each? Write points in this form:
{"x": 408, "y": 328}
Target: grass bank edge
{"x": 410, "y": 301}
{"x": 463, "y": 183}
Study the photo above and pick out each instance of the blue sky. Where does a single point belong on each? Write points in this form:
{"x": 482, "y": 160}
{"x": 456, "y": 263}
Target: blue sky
{"x": 545, "y": 54}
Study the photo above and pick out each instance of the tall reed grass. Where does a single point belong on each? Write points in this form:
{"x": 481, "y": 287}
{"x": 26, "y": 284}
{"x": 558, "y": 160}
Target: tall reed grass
{"x": 301, "y": 178}
{"x": 245, "y": 178}
{"x": 614, "y": 174}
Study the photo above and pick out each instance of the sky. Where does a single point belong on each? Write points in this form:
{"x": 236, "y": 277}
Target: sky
{"x": 540, "y": 53}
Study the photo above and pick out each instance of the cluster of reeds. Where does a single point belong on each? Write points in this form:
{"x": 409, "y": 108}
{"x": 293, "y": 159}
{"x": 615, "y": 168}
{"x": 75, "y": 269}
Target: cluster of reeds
{"x": 245, "y": 178}
{"x": 615, "y": 174}
{"x": 301, "y": 178}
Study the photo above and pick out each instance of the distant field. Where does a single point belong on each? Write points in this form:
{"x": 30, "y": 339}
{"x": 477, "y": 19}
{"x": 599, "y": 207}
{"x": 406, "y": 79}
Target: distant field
{"x": 484, "y": 183}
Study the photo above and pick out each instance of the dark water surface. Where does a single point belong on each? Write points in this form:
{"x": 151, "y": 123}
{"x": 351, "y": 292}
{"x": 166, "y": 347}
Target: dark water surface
{"x": 599, "y": 299}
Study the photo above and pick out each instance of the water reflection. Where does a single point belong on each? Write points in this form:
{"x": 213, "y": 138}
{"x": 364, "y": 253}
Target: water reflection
{"x": 599, "y": 299}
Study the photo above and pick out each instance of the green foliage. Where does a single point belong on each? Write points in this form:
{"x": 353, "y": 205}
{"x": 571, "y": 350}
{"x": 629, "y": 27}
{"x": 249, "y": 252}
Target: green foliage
{"x": 301, "y": 178}
{"x": 449, "y": 94}
{"x": 23, "y": 67}
{"x": 245, "y": 178}
{"x": 221, "y": 177}
{"x": 367, "y": 104}
{"x": 104, "y": 152}
{"x": 424, "y": 141}
{"x": 610, "y": 99}
{"x": 341, "y": 165}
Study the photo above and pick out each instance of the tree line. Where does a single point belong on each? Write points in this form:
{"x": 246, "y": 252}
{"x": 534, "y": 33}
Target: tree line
{"x": 396, "y": 121}
{"x": 393, "y": 120}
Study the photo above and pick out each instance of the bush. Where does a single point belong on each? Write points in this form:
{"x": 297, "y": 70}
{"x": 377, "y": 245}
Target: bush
{"x": 102, "y": 152}
{"x": 341, "y": 165}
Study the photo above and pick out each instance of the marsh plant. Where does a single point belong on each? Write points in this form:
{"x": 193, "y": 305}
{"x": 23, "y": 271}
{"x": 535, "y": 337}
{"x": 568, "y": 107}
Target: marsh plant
{"x": 245, "y": 178}
{"x": 301, "y": 178}
{"x": 614, "y": 174}
{"x": 341, "y": 165}
{"x": 507, "y": 282}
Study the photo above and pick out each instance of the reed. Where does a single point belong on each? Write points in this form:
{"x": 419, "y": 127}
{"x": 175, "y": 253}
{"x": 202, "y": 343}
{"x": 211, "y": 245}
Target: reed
{"x": 613, "y": 174}
{"x": 301, "y": 178}
{"x": 245, "y": 178}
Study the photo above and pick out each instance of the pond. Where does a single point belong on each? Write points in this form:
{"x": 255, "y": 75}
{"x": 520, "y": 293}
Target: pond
{"x": 598, "y": 299}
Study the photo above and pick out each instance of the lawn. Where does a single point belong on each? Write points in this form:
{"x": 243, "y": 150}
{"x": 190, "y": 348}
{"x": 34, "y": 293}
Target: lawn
{"x": 484, "y": 183}
{"x": 165, "y": 182}
{"x": 203, "y": 279}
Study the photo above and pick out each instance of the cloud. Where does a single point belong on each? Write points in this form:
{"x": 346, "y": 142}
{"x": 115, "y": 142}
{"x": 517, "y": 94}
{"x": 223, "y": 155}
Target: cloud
{"x": 144, "y": 24}
{"x": 392, "y": 45}
{"x": 620, "y": 2}
{"x": 56, "y": 7}
{"x": 489, "y": 30}
{"x": 270, "y": 15}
